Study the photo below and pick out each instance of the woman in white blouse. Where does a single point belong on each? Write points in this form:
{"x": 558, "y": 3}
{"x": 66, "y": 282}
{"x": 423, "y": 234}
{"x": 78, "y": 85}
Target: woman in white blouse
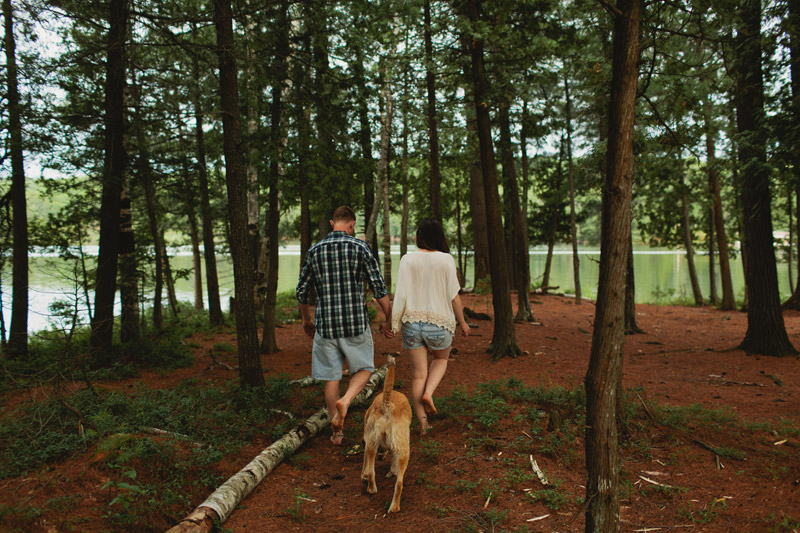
{"x": 427, "y": 309}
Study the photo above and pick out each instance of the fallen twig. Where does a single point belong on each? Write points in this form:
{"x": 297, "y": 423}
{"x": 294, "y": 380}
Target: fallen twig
{"x": 219, "y": 363}
{"x": 538, "y": 471}
{"x": 646, "y": 410}
{"x": 158, "y": 431}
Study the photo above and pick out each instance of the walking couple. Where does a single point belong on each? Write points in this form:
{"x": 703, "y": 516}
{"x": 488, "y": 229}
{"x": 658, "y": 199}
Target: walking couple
{"x": 427, "y": 310}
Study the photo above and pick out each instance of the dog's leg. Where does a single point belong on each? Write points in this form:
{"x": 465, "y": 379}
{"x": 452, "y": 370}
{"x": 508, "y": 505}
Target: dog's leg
{"x": 368, "y": 471}
{"x": 402, "y": 463}
{"x": 393, "y": 470}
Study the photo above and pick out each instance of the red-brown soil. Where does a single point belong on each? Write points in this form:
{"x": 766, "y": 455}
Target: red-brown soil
{"x": 686, "y": 356}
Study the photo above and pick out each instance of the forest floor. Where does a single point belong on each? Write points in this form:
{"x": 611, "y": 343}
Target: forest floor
{"x": 715, "y": 448}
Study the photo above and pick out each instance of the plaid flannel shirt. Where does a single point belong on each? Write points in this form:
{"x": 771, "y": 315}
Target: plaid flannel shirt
{"x": 336, "y": 267}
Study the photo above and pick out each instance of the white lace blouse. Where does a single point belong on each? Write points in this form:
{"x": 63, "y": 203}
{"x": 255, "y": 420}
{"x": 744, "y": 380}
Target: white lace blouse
{"x": 426, "y": 285}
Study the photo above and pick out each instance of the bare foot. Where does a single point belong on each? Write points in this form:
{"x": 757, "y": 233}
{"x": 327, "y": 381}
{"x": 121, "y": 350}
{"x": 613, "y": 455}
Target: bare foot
{"x": 337, "y": 437}
{"x": 427, "y": 403}
{"x": 337, "y": 422}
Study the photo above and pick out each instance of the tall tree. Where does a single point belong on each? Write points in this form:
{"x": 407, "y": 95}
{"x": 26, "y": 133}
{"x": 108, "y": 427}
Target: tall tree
{"x": 503, "y": 337}
{"x": 250, "y": 373}
{"x": 608, "y": 339}
{"x": 766, "y": 332}
{"x": 113, "y": 169}
{"x": 520, "y": 260}
{"x": 728, "y": 302}
{"x": 576, "y": 262}
{"x": 687, "y": 233}
{"x": 433, "y": 134}
{"x": 269, "y": 343}
{"x": 18, "y": 334}
{"x": 207, "y": 221}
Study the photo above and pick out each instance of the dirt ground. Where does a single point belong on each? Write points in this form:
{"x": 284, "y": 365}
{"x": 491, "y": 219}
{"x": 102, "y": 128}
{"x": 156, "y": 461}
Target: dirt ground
{"x": 686, "y": 356}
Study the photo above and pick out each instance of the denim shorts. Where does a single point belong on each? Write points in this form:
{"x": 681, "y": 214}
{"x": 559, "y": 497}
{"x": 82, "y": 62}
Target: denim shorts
{"x": 328, "y": 355}
{"x": 419, "y": 334}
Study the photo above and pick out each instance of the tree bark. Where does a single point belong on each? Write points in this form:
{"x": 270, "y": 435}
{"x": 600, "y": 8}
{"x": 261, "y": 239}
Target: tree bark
{"x": 250, "y": 373}
{"x": 219, "y": 506}
{"x": 433, "y": 134}
{"x": 790, "y": 251}
{"x": 18, "y": 334}
{"x": 128, "y": 276}
{"x": 212, "y": 282}
{"x": 269, "y": 343}
{"x": 146, "y": 178}
{"x": 113, "y": 169}
{"x": 576, "y": 262}
{"x": 520, "y": 258}
{"x": 766, "y": 332}
{"x": 712, "y": 273}
{"x": 169, "y": 280}
{"x": 477, "y": 199}
{"x": 404, "y": 172}
{"x": 604, "y": 376}
{"x": 365, "y": 140}
{"x": 503, "y": 337}
{"x": 631, "y": 327}
{"x": 194, "y": 235}
{"x": 728, "y": 302}
{"x": 794, "y": 51}
{"x": 687, "y": 237}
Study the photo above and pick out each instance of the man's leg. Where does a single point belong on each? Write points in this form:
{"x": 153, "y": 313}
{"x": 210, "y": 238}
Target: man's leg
{"x": 356, "y": 385}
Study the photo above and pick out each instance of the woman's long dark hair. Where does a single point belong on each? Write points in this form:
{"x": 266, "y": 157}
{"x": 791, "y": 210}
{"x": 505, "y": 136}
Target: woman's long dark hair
{"x": 430, "y": 236}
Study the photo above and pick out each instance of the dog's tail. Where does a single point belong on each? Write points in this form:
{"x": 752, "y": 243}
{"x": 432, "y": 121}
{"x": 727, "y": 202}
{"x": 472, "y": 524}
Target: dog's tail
{"x": 388, "y": 384}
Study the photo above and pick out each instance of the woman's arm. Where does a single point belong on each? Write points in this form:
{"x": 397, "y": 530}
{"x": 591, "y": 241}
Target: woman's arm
{"x": 458, "y": 310}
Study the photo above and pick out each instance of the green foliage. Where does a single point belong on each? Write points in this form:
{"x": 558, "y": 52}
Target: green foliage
{"x": 430, "y": 449}
{"x": 295, "y": 510}
{"x": 224, "y": 347}
{"x": 553, "y": 498}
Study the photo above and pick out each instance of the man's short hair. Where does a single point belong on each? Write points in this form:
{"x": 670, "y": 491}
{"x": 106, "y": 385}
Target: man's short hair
{"x": 343, "y": 214}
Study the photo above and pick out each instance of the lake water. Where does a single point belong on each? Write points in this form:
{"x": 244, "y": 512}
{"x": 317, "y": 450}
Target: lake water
{"x": 661, "y": 275}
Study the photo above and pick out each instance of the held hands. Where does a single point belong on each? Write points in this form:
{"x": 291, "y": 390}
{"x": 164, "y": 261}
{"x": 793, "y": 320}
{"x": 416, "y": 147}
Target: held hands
{"x": 386, "y": 329}
{"x": 309, "y": 328}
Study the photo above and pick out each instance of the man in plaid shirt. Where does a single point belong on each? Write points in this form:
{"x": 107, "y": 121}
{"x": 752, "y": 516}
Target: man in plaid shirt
{"x": 336, "y": 268}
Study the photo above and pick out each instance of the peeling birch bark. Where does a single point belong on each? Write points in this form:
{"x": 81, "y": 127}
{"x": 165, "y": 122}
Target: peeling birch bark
{"x": 221, "y": 503}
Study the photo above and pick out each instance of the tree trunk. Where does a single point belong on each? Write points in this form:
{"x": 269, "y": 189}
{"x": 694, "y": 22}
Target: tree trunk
{"x": 387, "y": 232}
{"x": 128, "y": 276}
{"x": 712, "y": 273}
{"x": 576, "y": 262}
{"x": 365, "y": 140}
{"x": 212, "y": 282}
{"x": 553, "y": 212}
{"x": 269, "y": 343}
{"x": 790, "y": 251}
{"x": 766, "y": 332}
{"x": 503, "y": 338}
{"x": 794, "y": 50}
{"x": 728, "y": 302}
{"x": 250, "y": 373}
{"x": 219, "y": 506}
{"x": 433, "y": 135}
{"x": 194, "y": 235}
{"x": 386, "y": 135}
{"x": 687, "y": 237}
{"x": 604, "y": 376}
{"x": 146, "y": 179}
{"x": 477, "y": 199}
{"x": 631, "y": 327}
{"x": 520, "y": 259}
{"x": 113, "y": 170}
{"x": 404, "y": 172}
{"x": 169, "y": 280}
{"x": 18, "y": 335}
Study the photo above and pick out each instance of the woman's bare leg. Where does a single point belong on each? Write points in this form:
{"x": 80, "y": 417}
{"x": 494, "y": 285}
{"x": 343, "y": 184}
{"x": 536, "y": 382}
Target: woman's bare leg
{"x": 435, "y": 375}
{"x": 418, "y": 357}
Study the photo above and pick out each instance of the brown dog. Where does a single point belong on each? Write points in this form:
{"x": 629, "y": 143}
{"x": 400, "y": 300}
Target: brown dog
{"x": 387, "y": 425}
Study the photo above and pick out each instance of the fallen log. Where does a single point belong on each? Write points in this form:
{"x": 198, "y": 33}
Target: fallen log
{"x": 220, "y": 504}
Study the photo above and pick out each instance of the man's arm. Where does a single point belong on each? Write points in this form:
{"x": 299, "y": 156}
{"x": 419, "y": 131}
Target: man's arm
{"x": 386, "y": 306}
{"x": 302, "y": 294}
{"x": 308, "y": 319}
